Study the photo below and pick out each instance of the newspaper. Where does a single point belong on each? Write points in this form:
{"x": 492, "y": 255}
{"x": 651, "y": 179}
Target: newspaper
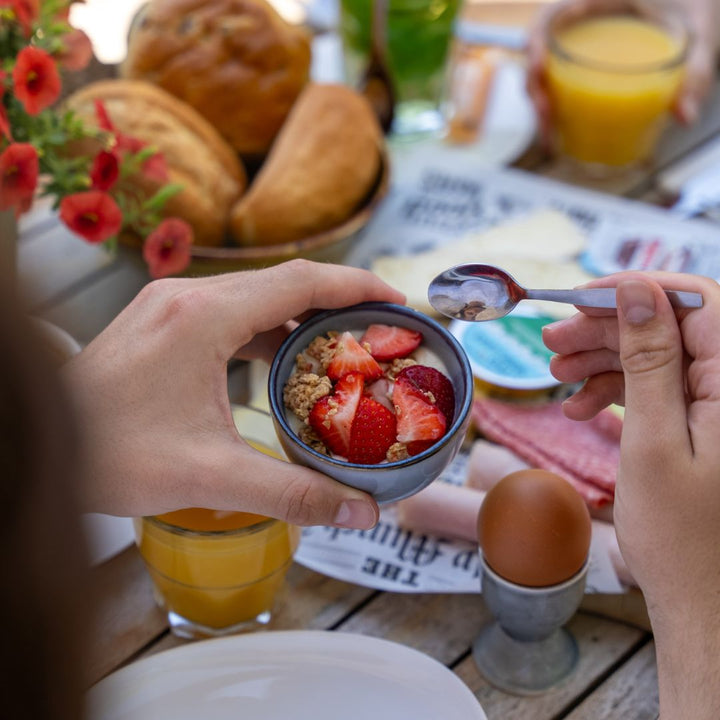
{"x": 390, "y": 557}
{"x": 439, "y": 194}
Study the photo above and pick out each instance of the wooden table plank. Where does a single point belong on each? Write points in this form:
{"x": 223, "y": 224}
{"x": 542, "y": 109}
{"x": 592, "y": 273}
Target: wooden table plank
{"x": 628, "y": 607}
{"x": 440, "y": 625}
{"x": 603, "y": 645}
{"x": 631, "y": 693}
{"x": 310, "y": 601}
{"x": 127, "y": 616}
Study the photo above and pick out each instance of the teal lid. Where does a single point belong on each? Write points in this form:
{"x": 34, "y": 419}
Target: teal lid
{"x": 508, "y": 352}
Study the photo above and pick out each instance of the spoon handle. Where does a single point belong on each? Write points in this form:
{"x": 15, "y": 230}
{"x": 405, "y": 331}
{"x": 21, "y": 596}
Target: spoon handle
{"x": 605, "y": 297}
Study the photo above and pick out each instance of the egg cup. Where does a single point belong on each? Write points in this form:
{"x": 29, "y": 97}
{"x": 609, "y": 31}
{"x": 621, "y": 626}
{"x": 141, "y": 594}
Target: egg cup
{"x": 526, "y": 650}
{"x": 389, "y": 481}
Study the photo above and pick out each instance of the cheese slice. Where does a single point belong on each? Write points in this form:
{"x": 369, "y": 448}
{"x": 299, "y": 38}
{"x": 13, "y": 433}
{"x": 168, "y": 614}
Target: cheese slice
{"x": 540, "y": 250}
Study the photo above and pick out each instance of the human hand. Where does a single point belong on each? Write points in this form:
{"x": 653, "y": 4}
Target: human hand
{"x": 152, "y": 401}
{"x": 702, "y": 17}
{"x": 665, "y": 367}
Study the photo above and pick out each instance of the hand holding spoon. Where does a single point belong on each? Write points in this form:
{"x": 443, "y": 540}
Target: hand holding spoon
{"x": 484, "y": 292}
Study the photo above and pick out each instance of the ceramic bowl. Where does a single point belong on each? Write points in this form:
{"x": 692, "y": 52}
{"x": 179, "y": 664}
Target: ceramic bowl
{"x": 391, "y": 481}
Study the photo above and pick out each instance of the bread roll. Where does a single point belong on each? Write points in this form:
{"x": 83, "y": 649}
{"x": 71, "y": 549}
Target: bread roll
{"x": 320, "y": 170}
{"x": 237, "y": 62}
{"x": 197, "y": 157}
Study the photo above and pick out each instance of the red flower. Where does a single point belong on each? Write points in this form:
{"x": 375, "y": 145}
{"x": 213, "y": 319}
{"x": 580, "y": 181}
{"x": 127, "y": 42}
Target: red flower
{"x": 167, "y": 248}
{"x": 36, "y": 78}
{"x": 19, "y": 168}
{"x": 94, "y": 215}
{"x": 4, "y": 121}
{"x": 77, "y": 50}
{"x": 105, "y": 170}
{"x": 103, "y": 119}
{"x": 154, "y": 167}
{"x": 26, "y": 12}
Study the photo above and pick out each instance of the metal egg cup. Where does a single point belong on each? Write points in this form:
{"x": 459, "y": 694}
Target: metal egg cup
{"x": 526, "y": 650}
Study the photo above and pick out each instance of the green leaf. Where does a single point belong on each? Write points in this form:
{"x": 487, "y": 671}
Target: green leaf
{"x": 158, "y": 200}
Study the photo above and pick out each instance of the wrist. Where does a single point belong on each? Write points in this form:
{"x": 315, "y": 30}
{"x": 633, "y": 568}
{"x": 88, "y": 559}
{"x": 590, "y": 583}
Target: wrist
{"x": 704, "y": 16}
{"x": 687, "y": 646}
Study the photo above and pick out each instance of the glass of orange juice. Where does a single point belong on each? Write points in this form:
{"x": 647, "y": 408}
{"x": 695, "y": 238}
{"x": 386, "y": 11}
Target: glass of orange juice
{"x": 214, "y": 572}
{"x": 613, "y": 72}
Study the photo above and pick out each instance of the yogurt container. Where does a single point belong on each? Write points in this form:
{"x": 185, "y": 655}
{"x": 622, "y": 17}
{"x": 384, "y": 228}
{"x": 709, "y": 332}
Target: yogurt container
{"x": 508, "y": 353}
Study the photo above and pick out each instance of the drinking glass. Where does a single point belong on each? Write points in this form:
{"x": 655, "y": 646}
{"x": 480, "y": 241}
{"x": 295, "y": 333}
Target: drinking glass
{"x": 418, "y": 40}
{"x": 217, "y": 573}
{"x": 613, "y": 72}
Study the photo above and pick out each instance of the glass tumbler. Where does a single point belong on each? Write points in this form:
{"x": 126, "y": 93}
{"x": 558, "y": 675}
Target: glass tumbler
{"x": 216, "y": 572}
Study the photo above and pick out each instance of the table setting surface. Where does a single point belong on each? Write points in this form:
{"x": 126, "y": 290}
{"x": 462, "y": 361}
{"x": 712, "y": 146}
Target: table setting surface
{"x": 81, "y": 288}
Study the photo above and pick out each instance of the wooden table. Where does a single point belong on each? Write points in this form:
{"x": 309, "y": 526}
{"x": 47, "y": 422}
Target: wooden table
{"x": 81, "y": 288}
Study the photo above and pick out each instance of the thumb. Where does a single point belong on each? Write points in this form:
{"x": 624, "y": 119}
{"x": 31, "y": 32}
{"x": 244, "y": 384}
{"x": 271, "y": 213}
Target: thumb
{"x": 651, "y": 354}
{"x": 248, "y": 480}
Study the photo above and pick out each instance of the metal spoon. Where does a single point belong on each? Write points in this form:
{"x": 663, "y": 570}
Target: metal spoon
{"x": 484, "y": 292}
{"x": 376, "y": 83}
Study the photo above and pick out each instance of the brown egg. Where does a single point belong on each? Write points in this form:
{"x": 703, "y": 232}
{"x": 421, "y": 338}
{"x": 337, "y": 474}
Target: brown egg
{"x": 534, "y": 528}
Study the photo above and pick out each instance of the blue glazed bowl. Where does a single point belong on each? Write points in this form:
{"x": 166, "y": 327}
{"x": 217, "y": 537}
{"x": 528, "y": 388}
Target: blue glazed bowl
{"x": 386, "y": 482}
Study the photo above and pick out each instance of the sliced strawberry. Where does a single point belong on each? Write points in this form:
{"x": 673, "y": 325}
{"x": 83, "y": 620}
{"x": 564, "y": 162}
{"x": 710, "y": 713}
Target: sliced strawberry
{"x": 373, "y": 432}
{"x": 388, "y": 342}
{"x": 417, "y": 446}
{"x": 349, "y": 357}
{"x": 332, "y": 416}
{"x": 429, "y": 380}
{"x": 417, "y": 419}
{"x": 381, "y": 390}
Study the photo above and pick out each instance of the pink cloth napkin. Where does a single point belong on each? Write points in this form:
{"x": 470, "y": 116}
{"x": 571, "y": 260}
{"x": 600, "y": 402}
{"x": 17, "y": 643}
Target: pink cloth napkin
{"x": 584, "y": 453}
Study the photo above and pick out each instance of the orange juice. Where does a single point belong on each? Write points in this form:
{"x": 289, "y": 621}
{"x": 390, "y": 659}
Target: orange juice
{"x": 218, "y": 570}
{"x": 611, "y": 81}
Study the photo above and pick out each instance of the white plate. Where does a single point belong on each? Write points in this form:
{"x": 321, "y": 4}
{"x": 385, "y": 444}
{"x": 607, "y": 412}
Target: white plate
{"x": 106, "y": 535}
{"x": 294, "y": 675}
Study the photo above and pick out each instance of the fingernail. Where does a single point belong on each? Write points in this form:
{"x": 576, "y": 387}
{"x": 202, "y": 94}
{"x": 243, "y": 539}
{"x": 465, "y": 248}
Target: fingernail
{"x": 553, "y": 325}
{"x": 356, "y": 514}
{"x": 636, "y": 301}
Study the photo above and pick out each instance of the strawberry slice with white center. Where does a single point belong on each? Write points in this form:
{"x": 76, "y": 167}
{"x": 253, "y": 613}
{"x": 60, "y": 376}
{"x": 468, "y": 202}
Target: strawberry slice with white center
{"x": 436, "y": 386}
{"x": 349, "y": 357}
{"x": 417, "y": 419}
{"x": 373, "y": 432}
{"x": 332, "y": 416}
{"x": 381, "y": 390}
{"x": 388, "y": 342}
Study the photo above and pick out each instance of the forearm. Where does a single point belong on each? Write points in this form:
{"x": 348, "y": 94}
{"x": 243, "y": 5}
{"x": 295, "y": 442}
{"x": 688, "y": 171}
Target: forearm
{"x": 704, "y": 17}
{"x": 688, "y": 664}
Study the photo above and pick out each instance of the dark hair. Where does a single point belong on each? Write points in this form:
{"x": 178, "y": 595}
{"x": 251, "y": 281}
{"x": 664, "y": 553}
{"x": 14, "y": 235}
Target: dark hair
{"x": 44, "y": 602}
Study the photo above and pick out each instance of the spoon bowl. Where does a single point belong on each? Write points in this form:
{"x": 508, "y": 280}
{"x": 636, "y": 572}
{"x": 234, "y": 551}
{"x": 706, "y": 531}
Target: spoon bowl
{"x": 477, "y": 292}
